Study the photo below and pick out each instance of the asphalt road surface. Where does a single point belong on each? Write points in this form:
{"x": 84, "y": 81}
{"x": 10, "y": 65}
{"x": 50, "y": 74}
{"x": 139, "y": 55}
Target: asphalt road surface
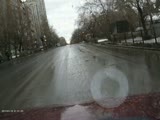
{"x": 65, "y": 75}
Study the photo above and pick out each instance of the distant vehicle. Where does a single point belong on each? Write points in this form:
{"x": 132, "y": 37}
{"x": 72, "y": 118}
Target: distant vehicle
{"x": 82, "y": 42}
{"x": 41, "y": 48}
{"x": 58, "y": 45}
{"x": 103, "y": 41}
{"x": 139, "y": 29}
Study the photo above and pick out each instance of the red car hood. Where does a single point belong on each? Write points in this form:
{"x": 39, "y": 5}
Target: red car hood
{"x": 138, "y": 107}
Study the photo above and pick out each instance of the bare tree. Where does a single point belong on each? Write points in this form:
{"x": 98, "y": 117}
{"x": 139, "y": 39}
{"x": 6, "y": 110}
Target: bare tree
{"x": 96, "y": 12}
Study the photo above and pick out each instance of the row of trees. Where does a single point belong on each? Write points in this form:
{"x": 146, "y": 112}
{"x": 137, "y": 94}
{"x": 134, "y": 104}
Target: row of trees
{"x": 18, "y": 32}
{"x": 97, "y": 16}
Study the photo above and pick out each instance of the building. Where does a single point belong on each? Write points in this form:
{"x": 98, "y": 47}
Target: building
{"x": 38, "y": 18}
{"x": 10, "y": 20}
{"x": 22, "y": 25}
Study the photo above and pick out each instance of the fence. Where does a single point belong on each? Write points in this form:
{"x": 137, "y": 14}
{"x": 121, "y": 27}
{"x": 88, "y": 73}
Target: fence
{"x": 137, "y": 37}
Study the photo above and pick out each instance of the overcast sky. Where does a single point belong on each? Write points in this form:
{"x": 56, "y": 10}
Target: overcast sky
{"x": 62, "y": 15}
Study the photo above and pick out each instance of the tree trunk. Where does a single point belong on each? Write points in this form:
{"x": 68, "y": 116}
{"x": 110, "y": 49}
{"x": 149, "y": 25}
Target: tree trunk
{"x": 142, "y": 19}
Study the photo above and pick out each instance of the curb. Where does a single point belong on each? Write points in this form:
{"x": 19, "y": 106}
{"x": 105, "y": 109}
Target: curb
{"x": 144, "y": 49}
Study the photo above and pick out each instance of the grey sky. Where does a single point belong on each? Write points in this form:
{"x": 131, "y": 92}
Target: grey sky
{"x": 62, "y": 15}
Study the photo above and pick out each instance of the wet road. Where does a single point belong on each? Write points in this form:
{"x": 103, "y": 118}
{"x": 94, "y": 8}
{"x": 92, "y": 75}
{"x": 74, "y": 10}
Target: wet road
{"x": 66, "y": 75}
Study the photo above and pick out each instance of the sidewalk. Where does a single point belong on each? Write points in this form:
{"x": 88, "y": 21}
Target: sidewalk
{"x": 139, "y": 40}
{"x": 21, "y": 59}
{"x": 130, "y": 49}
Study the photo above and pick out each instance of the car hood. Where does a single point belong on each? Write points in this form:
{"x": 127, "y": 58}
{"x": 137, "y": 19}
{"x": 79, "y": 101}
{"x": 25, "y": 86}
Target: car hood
{"x": 137, "y": 107}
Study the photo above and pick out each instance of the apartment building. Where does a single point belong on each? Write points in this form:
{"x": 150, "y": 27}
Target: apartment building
{"x": 22, "y": 25}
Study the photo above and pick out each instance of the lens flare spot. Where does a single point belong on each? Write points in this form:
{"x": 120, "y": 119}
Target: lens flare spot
{"x": 109, "y": 87}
